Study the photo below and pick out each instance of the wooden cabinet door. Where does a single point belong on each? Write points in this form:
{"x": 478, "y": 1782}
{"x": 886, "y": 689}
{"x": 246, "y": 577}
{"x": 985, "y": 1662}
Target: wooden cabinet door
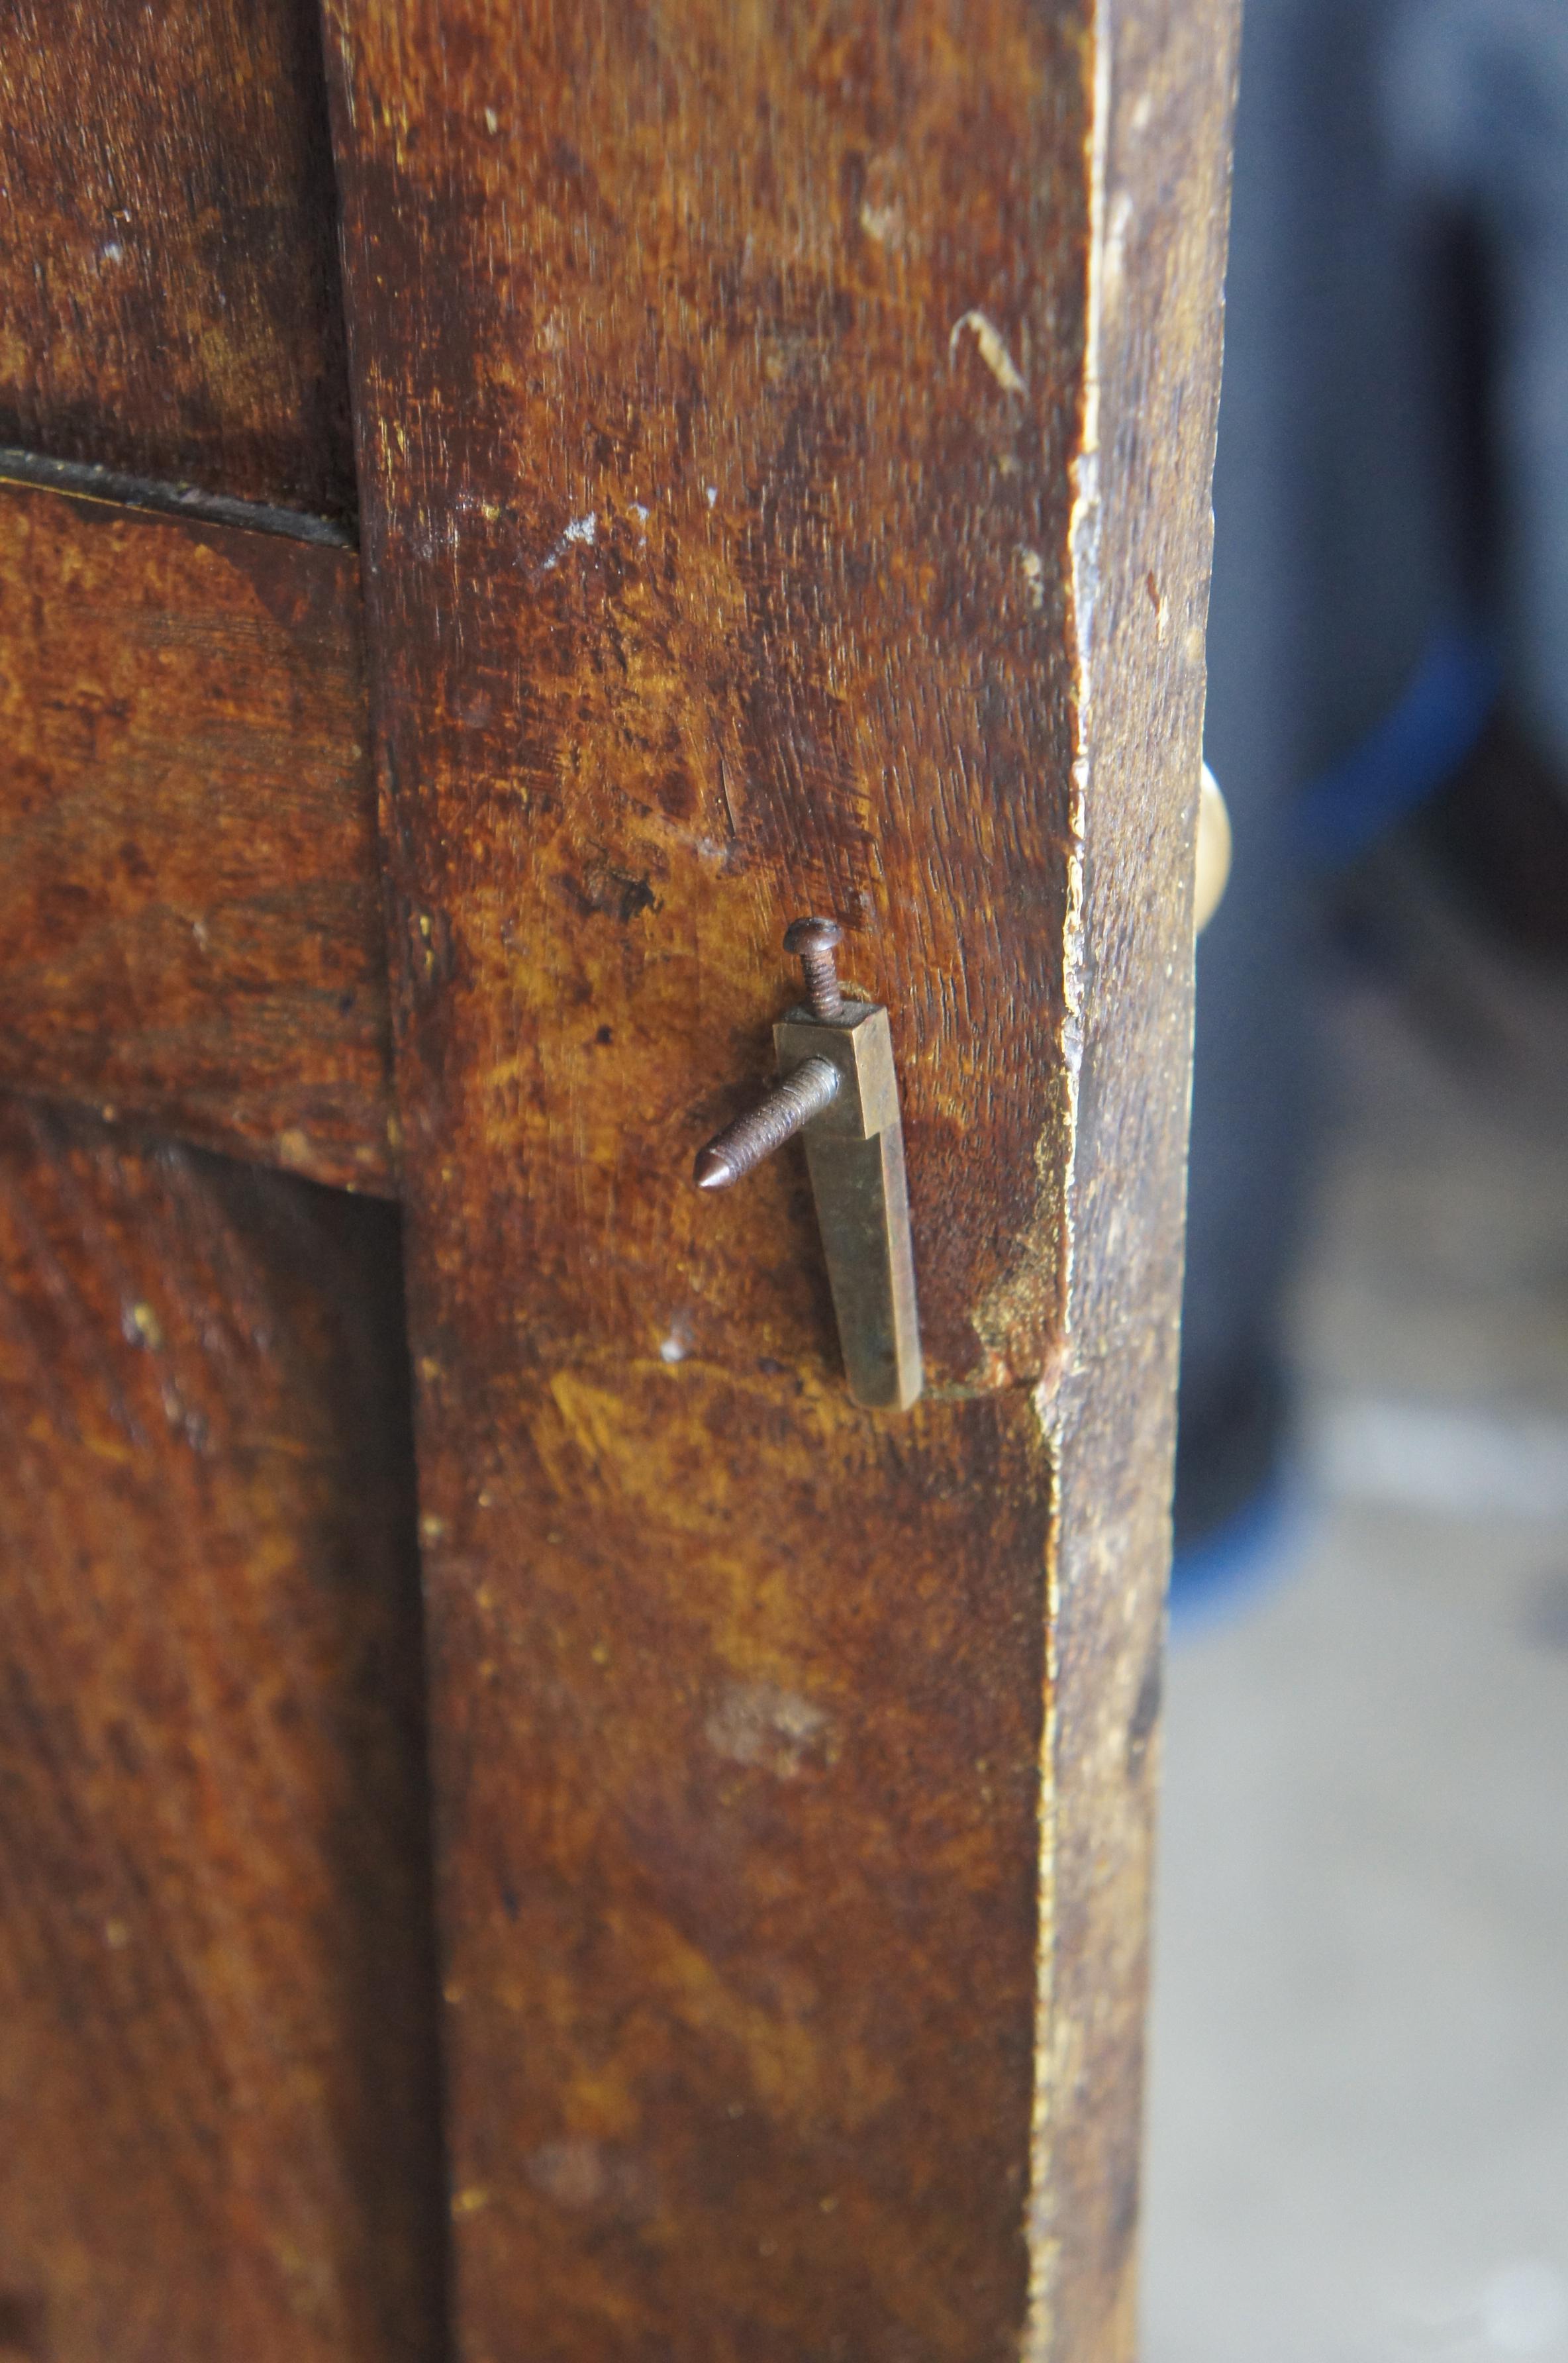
{"x": 780, "y": 481}
{"x": 219, "y": 2115}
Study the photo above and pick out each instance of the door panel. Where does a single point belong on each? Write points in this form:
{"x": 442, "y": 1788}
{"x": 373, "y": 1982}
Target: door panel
{"x": 218, "y": 2081}
{"x": 169, "y": 296}
{"x": 190, "y": 929}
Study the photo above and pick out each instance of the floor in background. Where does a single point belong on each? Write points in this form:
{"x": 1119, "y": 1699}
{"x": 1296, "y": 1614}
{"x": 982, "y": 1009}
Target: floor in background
{"x": 1358, "y": 2130}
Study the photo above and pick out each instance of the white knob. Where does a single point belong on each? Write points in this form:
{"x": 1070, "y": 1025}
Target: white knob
{"x": 1213, "y": 850}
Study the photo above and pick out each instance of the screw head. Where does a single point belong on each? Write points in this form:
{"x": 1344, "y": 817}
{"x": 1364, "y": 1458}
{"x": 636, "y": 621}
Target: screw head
{"x": 804, "y": 936}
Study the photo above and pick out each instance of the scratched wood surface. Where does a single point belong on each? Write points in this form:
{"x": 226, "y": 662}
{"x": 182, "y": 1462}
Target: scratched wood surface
{"x": 168, "y": 298}
{"x": 1140, "y": 560}
{"x": 751, "y": 482}
{"x": 763, "y": 413}
{"x": 190, "y": 909}
{"x": 218, "y": 2133}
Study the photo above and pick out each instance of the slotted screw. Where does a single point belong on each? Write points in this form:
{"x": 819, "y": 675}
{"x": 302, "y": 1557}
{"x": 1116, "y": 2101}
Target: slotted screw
{"x": 817, "y": 941}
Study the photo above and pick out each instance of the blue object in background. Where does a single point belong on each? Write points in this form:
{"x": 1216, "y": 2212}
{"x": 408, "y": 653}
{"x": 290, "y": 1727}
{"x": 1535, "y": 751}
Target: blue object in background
{"x": 1256, "y": 1548}
{"x": 1393, "y": 462}
{"x": 1415, "y": 750}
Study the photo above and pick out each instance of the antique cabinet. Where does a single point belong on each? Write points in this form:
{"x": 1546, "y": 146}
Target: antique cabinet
{"x": 533, "y": 1824}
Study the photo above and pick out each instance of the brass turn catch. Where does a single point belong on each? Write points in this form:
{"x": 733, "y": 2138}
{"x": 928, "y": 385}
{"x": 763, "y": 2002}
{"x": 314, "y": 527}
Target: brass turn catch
{"x": 837, "y": 1086}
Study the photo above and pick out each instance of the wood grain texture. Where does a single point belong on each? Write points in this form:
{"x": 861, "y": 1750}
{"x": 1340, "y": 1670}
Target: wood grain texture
{"x": 189, "y": 916}
{"x": 1141, "y": 545}
{"x": 727, "y": 430}
{"x": 168, "y": 298}
{"x": 739, "y": 1737}
{"x": 216, "y": 1982}
{"x": 755, "y": 344}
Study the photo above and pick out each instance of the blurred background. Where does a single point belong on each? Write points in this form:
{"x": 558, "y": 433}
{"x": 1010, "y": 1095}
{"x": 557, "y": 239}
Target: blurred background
{"x": 1359, "y": 2098}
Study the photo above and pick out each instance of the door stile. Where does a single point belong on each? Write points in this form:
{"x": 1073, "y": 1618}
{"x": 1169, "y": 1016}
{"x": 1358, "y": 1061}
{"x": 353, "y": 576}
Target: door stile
{"x": 770, "y": 427}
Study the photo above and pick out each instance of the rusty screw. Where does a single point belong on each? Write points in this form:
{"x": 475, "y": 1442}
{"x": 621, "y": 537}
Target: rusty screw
{"x": 816, "y": 942}
{"x": 791, "y": 1104}
{"x": 787, "y": 1110}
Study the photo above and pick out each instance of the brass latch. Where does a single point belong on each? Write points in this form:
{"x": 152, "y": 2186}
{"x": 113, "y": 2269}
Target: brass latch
{"x": 837, "y": 1086}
